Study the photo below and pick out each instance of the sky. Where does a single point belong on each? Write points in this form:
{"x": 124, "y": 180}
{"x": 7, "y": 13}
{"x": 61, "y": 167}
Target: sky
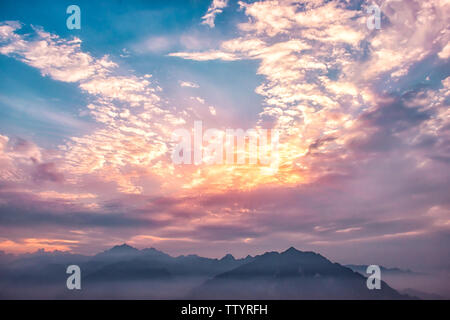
{"x": 87, "y": 118}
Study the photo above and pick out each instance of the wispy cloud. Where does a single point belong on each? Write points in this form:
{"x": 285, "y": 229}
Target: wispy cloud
{"x": 214, "y": 9}
{"x": 189, "y": 84}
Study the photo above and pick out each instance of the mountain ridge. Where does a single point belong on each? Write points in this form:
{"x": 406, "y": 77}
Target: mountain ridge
{"x": 290, "y": 274}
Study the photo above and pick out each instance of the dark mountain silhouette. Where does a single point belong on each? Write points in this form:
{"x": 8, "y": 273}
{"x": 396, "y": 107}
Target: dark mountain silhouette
{"x": 292, "y": 274}
{"x": 128, "y": 258}
{"x": 120, "y": 252}
{"x": 135, "y": 269}
{"x": 40, "y": 267}
{"x": 126, "y": 272}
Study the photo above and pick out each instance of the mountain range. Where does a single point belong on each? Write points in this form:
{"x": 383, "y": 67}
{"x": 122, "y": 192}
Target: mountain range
{"x": 124, "y": 272}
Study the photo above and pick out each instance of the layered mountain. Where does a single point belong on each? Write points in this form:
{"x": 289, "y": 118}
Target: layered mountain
{"x": 126, "y": 272}
{"x": 292, "y": 274}
{"x": 124, "y": 262}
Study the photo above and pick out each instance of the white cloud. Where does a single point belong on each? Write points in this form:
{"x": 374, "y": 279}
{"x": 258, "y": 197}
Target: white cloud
{"x": 299, "y": 44}
{"x": 133, "y": 131}
{"x": 205, "y": 56}
{"x": 214, "y": 9}
{"x": 212, "y": 110}
{"x": 445, "y": 52}
{"x": 188, "y": 84}
{"x": 58, "y": 58}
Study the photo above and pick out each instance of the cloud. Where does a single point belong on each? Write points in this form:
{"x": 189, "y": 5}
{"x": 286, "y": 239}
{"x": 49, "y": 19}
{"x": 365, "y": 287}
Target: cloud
{"x": 155, "y": 44}
{"x": 61, "y": 59}
{"x": 214, "y": 9}
{"x": 188, "y": 84}
{"x": 302, "y": 100}
{"x": 47, "y": 172}
{"x": 445, "y": 52}
{"x": 127, "y": 107}
{"x": 324, "y": 90}
{"x": 205, "y": 56}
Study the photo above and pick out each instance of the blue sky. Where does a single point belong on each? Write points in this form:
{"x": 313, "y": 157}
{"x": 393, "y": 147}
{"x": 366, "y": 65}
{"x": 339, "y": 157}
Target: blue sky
{"x": 139, "y": 35}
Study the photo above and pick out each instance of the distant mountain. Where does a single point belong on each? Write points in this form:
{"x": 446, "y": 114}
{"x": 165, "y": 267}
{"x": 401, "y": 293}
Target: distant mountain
{"x": 129, "y": 270}
{"x": 292, "y": 274}
{"x": 40, "y": 267}
{"x": 177, "y": 266}
{"x": 119, "y": 252}
{"x": 384, "y": 270}
{"x": 6, "y": 257}
{"x": 125, "y": 272}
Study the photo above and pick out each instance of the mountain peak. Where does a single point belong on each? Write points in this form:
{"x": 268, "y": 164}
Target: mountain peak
{"x": 120, "y": 250}
{"x": 291, "y": 250}
{"x": 123, "y": 247}
{"x": 228, "y": 256}
{"x": 293, "y": 274}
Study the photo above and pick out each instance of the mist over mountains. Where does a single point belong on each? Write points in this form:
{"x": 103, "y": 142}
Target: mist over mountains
{"x": 124, "y": 272}
{"x": 292, "y": 274}
{"x": 362, "y": 269}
